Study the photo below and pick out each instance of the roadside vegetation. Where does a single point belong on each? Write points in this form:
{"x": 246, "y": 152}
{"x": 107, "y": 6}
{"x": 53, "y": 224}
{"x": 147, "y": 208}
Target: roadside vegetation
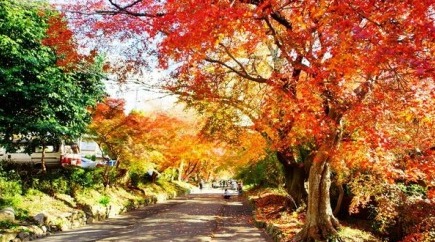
{"x": 62, "y": 191}
{"x": 324, "y": 109}
{"x": 393, "y": 211}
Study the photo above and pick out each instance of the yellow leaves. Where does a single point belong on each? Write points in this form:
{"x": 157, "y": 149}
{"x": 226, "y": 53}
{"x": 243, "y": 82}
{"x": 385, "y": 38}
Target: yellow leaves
{"x": 219, "y": 39}
{"x": 300, "y": 22}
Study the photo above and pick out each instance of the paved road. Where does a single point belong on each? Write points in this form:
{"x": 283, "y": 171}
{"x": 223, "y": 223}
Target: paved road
{"x": 202, "y": 216}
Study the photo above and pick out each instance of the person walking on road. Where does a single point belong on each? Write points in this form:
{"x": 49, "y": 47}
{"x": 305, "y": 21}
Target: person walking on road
{"x": 239, "y": 188}
{"x": 201, "y": 185}
{"x": 227, "y": 194}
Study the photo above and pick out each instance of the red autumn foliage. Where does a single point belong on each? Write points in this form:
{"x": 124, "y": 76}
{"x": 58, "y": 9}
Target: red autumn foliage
{"x": 356, "y": 72}
{"x": 61, "y": 38}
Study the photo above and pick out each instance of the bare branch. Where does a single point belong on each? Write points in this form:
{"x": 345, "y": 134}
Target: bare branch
{"x": 234, "y": 59}
{"x": 125, "y": 10}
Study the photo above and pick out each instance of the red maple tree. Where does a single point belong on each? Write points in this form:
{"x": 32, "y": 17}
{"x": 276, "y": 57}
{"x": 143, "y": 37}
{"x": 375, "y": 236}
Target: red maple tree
{"x": 334, "y": 71}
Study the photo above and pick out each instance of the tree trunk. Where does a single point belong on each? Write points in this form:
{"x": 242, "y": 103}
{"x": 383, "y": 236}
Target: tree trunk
{"x": 180, "y": 171}
{"x": 294, "y": 184}
{"x": 295, "y": 177}
{"x": 154, "y": 177}
{"x": 44, "y": 167}
{"x": 118, "y": 162}
{"x": 339, "y": 200}
{"x": 106, "y": 178}
{"x": 321, "y": 224}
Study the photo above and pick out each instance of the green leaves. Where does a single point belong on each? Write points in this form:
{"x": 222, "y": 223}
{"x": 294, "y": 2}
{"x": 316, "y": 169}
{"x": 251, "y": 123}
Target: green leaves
{"x": 37, "y": 96}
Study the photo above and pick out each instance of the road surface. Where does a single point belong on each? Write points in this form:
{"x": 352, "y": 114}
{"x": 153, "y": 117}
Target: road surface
{"x": 201, "y": 216}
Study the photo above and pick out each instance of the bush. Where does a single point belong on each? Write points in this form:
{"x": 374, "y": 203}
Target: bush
{"x": 67, "y": 180}
{"x": 10, "y": 188}
{"x": 413, "y": 190}
{"x": 136, "y": 179}
{"x": 104, "y": 200}
{"x": 267, "y": 172}
{"x": 7, "y": 225}
{"x": 10, "y": 183}
{"x": 418, "y": 218}
{"x": 81, "y": 177}
{"x": 169, "y": 174}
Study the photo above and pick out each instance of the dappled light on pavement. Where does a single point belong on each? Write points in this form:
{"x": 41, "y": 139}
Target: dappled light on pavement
{"x": 203, "y": 215}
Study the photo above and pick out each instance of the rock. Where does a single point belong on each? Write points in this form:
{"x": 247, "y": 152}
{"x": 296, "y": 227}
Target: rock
{"x": 90, "y": 220}
{"x": 65, "y": 227}
{"x": 53, "y": 228}
{"x": 40, "y": 218}
{"x": 35, "y": 230}
{"x": 7, "y": 214}
{"x": 24, "y": 236}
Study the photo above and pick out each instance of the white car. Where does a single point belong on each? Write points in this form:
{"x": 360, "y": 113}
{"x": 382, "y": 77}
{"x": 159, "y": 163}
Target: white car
{"x": 87, "y": 163}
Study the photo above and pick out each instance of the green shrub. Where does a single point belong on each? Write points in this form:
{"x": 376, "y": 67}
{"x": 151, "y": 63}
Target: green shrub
{"x": 105, "y": 176}
{"x": 10, "y": 201}
{"x": 104, "y": 200}
{"x": 135, "y": 179}
{"x": 91, "y": 157}
{"x": 413, "y": 190}
{"x": 10, "y": 188}
{"x": 10, "y": 183}
{"x": 267, "y": 172}
{"x": 169, "y": 174}
{"x": 21, "y": 214}
{"x": 85, "y": 178}
{"x": 61, "y": 185}
{"x": 7, "y": 225}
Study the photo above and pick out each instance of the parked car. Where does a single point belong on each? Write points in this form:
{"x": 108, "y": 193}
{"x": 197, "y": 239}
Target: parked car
{"x": 87, "y": 163}
{"x": 55, "y": 154}
{"x": 106, "y": 163}
{"x": 70, "y": 160}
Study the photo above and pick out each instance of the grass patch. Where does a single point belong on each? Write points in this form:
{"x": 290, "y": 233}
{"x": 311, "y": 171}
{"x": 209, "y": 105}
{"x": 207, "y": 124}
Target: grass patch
{"x": 356, "y": 235}
{"x": 35, "y": 201}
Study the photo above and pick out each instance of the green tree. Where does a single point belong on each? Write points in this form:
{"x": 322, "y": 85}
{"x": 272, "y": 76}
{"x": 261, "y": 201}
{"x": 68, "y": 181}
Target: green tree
{"x": 39, "y": 98}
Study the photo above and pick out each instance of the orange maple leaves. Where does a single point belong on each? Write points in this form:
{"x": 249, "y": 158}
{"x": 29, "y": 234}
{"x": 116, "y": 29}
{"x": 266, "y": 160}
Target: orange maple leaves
{"x": 162, "y": 141}
{"x": 364, "y": 69}
{"x": 61, "y": 38}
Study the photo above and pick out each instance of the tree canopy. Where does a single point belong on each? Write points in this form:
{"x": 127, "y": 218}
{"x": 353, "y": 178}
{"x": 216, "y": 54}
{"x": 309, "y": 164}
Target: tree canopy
{"x": 161, "y": 141}
{"x": 46, "y": 85}
{"x": 355, "y": 73}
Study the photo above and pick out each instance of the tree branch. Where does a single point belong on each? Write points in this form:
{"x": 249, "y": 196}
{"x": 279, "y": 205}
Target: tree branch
{"x": 125, "y": 10}
{"x": 242, "y": 74}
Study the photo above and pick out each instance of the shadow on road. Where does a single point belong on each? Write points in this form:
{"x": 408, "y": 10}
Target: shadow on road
{"x": 201, "y": 216}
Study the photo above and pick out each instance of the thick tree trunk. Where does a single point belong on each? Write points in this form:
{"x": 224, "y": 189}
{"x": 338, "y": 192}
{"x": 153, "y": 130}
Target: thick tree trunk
{"x": 321, "y": 224}
{"x": 294, "y": 184}
{"x": 295, "y": 178}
